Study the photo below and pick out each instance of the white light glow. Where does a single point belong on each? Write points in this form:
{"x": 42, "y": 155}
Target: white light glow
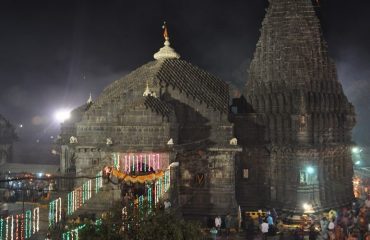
{"x": 308, "y": 208}
{"x": 310, "y": 170}
{"x": 356, "y": 150}
{"x": 62, "y": 115}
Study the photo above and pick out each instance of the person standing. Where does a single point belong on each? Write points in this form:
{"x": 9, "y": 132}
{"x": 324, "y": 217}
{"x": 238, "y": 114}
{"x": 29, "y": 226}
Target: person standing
{"x": 324, "y": 228}
{"x": 264, "y": 229}
{"x": 270, "y": 220}
{"x": 167, "y": 205}
{"x": 218, "y": 223}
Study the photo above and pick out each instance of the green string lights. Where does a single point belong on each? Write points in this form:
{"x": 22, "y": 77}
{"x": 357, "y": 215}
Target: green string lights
{"x": 1, "y": 228}
{"x": 28, "y": 223}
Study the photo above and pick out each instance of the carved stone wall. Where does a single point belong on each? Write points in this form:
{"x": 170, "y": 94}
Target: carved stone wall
{"x": 207, "y": 182}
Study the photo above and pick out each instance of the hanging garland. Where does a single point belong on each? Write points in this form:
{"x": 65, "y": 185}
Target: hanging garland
{"x": 134, "y": 179}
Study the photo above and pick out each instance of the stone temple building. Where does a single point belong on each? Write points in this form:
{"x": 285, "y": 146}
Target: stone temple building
{"x": 7, "y": 137}
{"x": 295, "y": 122}
{"x": 167, "y": 109}
{"x": 285, "y": 142}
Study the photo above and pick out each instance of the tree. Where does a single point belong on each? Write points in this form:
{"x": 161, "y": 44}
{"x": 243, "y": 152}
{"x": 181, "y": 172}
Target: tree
{"x": 141, "y": 224}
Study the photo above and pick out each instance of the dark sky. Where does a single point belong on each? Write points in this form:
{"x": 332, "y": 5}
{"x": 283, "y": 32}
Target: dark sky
{"x": 53, "y": 53}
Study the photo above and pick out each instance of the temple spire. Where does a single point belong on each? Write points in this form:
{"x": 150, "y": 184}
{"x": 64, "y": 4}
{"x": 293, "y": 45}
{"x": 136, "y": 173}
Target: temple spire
{"x": 89, "y": 101}
{"x": 167, "y": 51}
{"x": 147, "y": 91}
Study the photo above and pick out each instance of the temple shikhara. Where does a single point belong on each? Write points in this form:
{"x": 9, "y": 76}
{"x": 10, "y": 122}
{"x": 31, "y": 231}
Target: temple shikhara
{"x": 169, "y": 130}
{"x": 295, "y": 121}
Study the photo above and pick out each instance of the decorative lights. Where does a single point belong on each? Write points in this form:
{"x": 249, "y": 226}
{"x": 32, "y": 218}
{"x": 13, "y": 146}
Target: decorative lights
{"x": 28, "y": 222}
{"x": 36, "y": 220}
{"x": 1, "y": 228}
{"x": 139, "y": 162}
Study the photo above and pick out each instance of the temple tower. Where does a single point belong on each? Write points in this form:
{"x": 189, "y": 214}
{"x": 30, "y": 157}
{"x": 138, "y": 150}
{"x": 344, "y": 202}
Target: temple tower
{"x": 306, "y": 120}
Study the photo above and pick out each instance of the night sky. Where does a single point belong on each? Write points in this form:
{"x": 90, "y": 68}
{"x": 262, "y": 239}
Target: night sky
{"x": 54, "y": 53}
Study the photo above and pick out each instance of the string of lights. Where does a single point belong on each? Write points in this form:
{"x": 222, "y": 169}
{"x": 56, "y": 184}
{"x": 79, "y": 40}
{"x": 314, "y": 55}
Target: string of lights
{"x": 20, "y": 226}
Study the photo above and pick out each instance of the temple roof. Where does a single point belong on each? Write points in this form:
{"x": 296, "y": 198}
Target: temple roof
{"x": 177, "y": 73}
{"x": 158, "y": 105}
{"x": 291, "y": 48}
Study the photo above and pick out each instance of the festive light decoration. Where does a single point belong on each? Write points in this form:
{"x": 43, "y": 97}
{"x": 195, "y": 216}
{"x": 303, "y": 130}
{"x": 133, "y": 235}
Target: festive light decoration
{"x": 22, "y": 226}
{"x": 167, "y": 180}
{"x": 98, "y": 181}
{"x": 55, "y": 211}
{"x": 1, "y": 228}
{"x": 116, "y": 160}
{"x": 73, "y": 234}
{"x": 28, "y": 222}
{"x": 139, "y": 162}
{"x": 16, "y": 227}
{"x": 134, "y": 179}
{"x": 12, "y": 228}
{"x": 80, "y": 195}
{"x": 141, "y": 204}
{"x": 149, "y": 196}
{"x": 36, "y": 220}
{"x": 7, "y": 228}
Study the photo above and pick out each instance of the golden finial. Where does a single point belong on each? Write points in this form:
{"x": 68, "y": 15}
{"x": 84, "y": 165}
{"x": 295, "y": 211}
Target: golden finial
{"x": 166, "y": 51}
{"x": 165, "y": 31}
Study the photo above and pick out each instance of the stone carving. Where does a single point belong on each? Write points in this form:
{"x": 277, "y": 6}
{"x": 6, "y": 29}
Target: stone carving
{"x": 170, "y": 142}
{"x": 109, "y": 141}
{"x": 73, "y": 140}
{"x": 234, "y": 142}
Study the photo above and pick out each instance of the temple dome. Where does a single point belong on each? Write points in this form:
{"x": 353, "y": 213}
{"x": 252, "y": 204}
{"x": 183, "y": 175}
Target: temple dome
{"x": 159, "y": 74}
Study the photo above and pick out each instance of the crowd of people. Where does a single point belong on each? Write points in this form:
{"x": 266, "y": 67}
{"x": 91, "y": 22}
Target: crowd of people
{"x": 348, "y": 223}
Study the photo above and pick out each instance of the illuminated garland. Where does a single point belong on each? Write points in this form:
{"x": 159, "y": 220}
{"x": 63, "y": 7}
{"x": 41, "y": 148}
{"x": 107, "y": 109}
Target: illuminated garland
{"x": 139, "y": 162}
{"x": 55, "y": 211}
{"x": 28, "y": 222}
{"x": 140, "y": 179}
{"x": 78, "y": 197}
{"x": 98, "y": 181}
{"x": 73, "y": 234}
{"x": 167, "y": 180}
{"x": 116, "y": 160}
{"x": 16, "y": 227}
{"x": 12, "y": 228}
{"x": 149, "y": 196}
{"x": 141, "y": 204}
{"x": 6, "y": 228}
{"x": 36, "y": 220}
{"x": 84, "y": 193}
{"x": 69, "y": 203}
{"x": 19, "y": 226}
{"x": 22, "y": 226}
{"x": 1, "y": 228}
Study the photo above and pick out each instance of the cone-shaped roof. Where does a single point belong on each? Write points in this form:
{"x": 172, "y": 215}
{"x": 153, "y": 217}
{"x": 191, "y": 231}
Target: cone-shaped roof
{"x": 291, "y": 48}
